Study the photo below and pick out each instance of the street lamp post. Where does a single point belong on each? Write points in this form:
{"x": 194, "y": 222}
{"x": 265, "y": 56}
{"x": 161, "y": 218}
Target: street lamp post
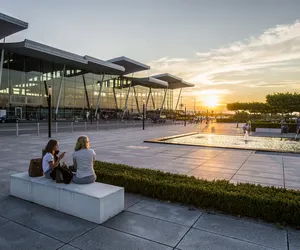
{"x": 49, "y": 111}
{"x": 185, "y": 115}
{"x": 91, "y": 114}
{"x": 143, "y": 114}
{"x": 194, "y": 106}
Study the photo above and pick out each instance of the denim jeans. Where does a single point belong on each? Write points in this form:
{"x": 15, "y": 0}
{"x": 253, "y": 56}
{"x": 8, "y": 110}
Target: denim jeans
{"x": 84, "y": 180}
{"x": 47, "y": 174}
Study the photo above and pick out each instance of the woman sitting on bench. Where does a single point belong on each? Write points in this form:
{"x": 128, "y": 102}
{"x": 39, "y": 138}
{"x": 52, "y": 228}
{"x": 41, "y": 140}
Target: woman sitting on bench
{"x": 49, "y": 155}
{"x": 84, "y": 159}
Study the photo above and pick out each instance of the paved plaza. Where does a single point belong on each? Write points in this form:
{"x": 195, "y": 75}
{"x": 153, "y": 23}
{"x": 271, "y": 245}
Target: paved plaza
{"x": 146, "y": 223}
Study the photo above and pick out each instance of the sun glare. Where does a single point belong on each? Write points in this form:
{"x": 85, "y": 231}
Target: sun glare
{"x": 211, "y": 101}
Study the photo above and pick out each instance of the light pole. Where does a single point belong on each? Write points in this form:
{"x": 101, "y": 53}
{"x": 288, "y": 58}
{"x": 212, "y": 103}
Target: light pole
{"x": 49, "y": 111}
{"x": 194, "y": 106}
{"x": 185, "y": 115}
{"x": 91, "y": 114}
{"x": 143, "y": 114}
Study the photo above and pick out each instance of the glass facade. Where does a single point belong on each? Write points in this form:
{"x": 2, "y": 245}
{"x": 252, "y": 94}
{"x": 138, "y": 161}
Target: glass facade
{"x": 25, "y": 81}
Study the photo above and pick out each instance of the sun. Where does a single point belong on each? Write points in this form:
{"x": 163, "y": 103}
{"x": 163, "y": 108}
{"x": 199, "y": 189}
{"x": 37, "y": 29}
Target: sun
{"x": 211, "y": 101}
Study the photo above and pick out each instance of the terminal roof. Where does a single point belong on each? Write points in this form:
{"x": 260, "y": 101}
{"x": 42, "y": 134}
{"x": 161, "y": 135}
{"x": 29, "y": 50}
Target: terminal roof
{"x": 173, "y": 81}
{"x": 147, "y": 82}
{"x": 10, "y": 25}
{"x": 131, "y": 66}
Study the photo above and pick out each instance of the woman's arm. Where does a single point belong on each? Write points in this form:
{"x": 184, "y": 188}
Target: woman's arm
{"x": 75, "y": 164}
{"x": 55, "y": 164}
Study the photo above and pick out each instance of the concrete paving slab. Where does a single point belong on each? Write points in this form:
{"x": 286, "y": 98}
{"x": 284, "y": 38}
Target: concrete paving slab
{"x": 294, "y": 239}
{"x": 131, "y": 199}
{"x": 109, "y": 239}
{"x": 267, "y": 181}
{"x": 68, "y": 247}
{"x": 260, "y": 174}
{"x": 165, "y": 211}
{"x": 196, "y": 239}
{"x": 55, "y": 224}
{"x": 149, "y": 228}
{"x": 15, "y": 237}
{"x": 261, "y": 234}
{"x": 3, "y": 221}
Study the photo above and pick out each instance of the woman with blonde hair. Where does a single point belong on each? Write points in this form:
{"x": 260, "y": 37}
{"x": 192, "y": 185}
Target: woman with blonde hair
{"x": 84, "y": 159}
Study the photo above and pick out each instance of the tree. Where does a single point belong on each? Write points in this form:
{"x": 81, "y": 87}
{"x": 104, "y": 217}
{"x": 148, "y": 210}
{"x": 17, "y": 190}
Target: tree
{"x": 284, "y": 102}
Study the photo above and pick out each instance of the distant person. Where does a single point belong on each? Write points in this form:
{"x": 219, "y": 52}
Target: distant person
{"x": 50, "y": 160}
{"x": 284, "y": 126}
{"x": 246, "y": 127}
{"x": 297, "y": 126}
{"x": 84, "y": 160}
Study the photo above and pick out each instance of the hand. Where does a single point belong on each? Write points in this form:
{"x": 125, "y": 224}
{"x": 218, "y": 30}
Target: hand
{"x": 61, "y": 155}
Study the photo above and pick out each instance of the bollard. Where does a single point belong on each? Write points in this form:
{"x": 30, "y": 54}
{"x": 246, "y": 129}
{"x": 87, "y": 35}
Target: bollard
{"x": 17, "y": 129}
{"x": 38, "y": 128}
{"x": 97, "y": 125}
{"x": 85, "y": 126}
{"x": 56, "y": 127}
{"x": 71, "y": 127}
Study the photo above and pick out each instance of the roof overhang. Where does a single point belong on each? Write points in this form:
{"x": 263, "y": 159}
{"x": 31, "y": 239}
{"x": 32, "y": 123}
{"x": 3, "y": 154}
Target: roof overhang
{"x": 131, "y": 66}
{"x": 10, "y": 25}
{"x": 104, "y": 67}
{"x": 173, "y": 81}
{"x": 149, "y": 82}
{"x": 44, "y": 52}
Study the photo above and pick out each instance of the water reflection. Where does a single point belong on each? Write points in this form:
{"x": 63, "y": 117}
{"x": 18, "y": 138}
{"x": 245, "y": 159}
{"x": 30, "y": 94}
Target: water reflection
{"x": 241, "y": 141}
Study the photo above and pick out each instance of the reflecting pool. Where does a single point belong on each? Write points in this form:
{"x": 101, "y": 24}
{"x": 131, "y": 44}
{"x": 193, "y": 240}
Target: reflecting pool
{"x": 236, "y": 142}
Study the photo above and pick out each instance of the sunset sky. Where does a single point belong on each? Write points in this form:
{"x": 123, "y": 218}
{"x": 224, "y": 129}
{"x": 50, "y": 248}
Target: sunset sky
{"x": 232, "y": 50}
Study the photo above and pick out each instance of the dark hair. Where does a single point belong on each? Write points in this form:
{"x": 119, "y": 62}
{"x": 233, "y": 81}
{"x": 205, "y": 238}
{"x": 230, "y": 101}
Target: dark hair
{"x": 50, "y": 147}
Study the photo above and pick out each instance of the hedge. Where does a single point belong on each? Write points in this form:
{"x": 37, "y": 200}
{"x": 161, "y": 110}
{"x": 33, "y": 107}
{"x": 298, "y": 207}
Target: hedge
{"x": 267, "y": 203}
{"x": 254, "y": 125}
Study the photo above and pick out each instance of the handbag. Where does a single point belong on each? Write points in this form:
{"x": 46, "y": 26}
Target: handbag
{"x": 35, "y": 167}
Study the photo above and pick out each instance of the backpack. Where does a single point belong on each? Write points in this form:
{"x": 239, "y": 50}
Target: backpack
{"x": 62, "y": 175}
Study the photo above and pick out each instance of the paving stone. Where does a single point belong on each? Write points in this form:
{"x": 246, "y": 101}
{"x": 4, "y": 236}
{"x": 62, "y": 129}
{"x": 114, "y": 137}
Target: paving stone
{"x": 149, "y": 228}
{"x": 256, "y": 179}
{"x": 68, "y": 247}
{"x": 257, "y": 233}
{"x": 3, "y": 221}
{"x": 164, "y": 211}
{"x": 109, "y": 239}
{"x": 50, "y": 222}
{"x": 131, "y": 199}
{"x": 196, "y": 240}
{"x": 17, "y": 237}
{"x": 294, "y": 240}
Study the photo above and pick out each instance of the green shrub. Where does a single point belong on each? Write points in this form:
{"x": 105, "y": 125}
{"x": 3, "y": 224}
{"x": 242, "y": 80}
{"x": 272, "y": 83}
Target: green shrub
{"x": 254, "y": 125}
{"x": 268, "y": 203}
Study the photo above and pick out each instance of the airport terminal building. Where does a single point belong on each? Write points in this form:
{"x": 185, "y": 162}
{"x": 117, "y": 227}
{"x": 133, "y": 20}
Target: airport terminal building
{"x": 30, "y": 71}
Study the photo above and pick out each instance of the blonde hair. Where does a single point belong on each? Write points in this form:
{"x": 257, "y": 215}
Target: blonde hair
{"x": 82, "y": 143}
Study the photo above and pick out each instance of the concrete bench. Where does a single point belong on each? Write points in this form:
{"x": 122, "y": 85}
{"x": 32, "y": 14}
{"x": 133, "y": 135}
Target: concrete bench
{"x": 268, "y": 130}
{"x": 96, "y": 202}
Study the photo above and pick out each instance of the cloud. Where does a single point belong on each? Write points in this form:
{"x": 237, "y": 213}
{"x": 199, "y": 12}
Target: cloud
{"x": 267, "y": 61}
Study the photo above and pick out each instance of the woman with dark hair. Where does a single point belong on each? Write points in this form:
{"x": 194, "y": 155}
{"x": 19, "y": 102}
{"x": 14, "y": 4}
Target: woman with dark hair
{"x": 49, "y": 162}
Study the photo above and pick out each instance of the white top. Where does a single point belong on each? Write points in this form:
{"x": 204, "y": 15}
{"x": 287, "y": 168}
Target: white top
{"x": 84, "y": 159}
{"x": 48, "y": 157}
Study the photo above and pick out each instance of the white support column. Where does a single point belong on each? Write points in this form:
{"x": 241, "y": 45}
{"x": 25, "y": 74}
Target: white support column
{"x": 1, "y": 63}
{"x": 126, "y": 101}
{"x": 163, "y": 102}
{"x": 178, "y": 99}
{"x": 99, "y": 94}
{"x": 153, "y": 102}
{"x": 136, "y": 100}
{"x": 114, "y": 92}
{"x": 60, "y": 89}
{"x": 148, "y": 97}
